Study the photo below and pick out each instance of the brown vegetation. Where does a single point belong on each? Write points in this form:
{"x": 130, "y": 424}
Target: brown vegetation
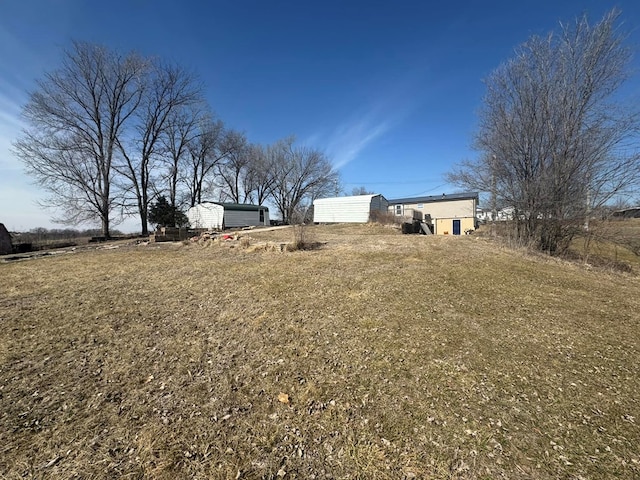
{"x": 377, "y": 355}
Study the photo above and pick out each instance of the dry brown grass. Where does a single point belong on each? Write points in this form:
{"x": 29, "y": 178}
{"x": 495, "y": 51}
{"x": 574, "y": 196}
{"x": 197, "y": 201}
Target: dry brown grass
{"x": 375, "y": 356}
{"x": 611, "y": 244}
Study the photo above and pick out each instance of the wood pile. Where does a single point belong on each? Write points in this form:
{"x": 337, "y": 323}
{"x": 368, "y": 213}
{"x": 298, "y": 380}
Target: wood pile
{"x": 169, "y": 234}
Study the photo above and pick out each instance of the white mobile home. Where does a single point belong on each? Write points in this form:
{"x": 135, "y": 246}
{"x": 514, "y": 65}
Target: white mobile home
{"x": 354, "y": 209}
{"x": 218, "y": 216}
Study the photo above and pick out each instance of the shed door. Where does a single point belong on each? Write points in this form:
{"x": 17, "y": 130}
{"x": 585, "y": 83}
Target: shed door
{"x": 456, "y": 227}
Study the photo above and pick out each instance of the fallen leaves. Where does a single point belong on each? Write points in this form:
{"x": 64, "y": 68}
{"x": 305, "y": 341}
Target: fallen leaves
{"x": 315, "y": 364}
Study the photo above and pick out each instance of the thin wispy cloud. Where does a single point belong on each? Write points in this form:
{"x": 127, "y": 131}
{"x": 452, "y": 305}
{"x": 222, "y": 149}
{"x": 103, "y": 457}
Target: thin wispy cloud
{"x": 397, "y": 99}
{"x": 16, "y": 188}
{"x": 18, "y": 64}
{"x": 350, "y": 139}
{"x": 10, "y": 127}
{"x": 10, "y": 107}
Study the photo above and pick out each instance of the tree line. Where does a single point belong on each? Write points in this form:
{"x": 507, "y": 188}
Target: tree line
{"x": 41, "y": 235}
{"x": 107, "y": 133}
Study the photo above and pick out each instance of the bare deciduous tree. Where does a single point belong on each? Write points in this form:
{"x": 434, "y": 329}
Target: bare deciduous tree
{"x": 206, "y": 151}
{"x": 555, "y": 143}
{"x": 181, "y": 132}
{"x": 300, "y": 175}
{"x": 75, "y": 117}
{"x": 105, "y": 130}
{"x": 232, "y": 172}
{"x": 167, "y": 88}
{"x": 260, "y": 176}
{"x": 361, "y": 191}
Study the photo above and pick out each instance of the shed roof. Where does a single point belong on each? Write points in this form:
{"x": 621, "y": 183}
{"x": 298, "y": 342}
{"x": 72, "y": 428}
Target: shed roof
{"x": 246, "y": 207}
{"x": 631, "y": 212}
{"x": 436, "y": 198}
{"x": 367, "y": 196}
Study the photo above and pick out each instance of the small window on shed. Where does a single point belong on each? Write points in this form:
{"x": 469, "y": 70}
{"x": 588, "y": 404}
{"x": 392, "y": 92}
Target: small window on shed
{"x": 420, "y": 205}
{"x": 398, "y": 209}
{"x": 261, "y": 216}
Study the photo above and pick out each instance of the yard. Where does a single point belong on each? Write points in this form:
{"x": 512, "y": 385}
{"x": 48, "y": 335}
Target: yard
{"x": 374, "y": 355}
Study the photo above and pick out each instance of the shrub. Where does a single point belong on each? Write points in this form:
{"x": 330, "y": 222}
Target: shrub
{"x": 384, "y": 218}
{"x": 299, "y": 237}
{"x": 302, "y": 239}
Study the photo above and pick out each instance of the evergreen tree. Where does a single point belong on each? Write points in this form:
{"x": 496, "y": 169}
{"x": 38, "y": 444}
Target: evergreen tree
{"x": 162, "y": 213}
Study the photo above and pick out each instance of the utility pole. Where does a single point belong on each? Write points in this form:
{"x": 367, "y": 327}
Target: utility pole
{"x": 588, "y": 209}
{"x": 494, "y": 208}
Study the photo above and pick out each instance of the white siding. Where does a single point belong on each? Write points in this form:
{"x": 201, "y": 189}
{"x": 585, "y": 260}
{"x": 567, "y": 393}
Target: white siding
{"x": 354, "y": 209}
{"x": 206, "y": 215}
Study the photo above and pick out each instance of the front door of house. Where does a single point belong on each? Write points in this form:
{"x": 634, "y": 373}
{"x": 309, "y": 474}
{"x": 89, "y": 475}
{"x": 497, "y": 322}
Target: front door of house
{"x": 456, "y": 227}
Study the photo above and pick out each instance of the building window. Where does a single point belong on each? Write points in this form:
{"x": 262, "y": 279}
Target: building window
{"x": 261, "y": 216}
{"x": 420, "y": 205}
{"x": 398, "y": 209}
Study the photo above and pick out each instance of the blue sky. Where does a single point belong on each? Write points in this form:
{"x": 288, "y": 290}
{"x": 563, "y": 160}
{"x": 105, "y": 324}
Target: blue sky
{"x": 389, "y": 90}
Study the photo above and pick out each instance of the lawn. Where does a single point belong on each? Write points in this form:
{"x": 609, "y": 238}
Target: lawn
{"x": 374, "y": 355}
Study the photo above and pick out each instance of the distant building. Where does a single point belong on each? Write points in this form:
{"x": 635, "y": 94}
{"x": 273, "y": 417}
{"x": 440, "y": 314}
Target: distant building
{"x": 218, "y": 216}
{"x": 633, "y": 212}
{"x": 506, "y": 213}
{"x": 451, "y": 214}
{"x": 485, "y": 215}
{"x": 5, "y": 241}
{"x": 352, "y": 209}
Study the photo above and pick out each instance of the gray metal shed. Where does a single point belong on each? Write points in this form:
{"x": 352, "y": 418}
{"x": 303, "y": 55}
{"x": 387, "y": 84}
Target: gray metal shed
{"x": 216, "y": 216}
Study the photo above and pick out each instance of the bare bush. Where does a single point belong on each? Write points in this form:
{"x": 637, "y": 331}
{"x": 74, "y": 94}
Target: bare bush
{"x": 556, "y": 142}
{"x": 300, "y": 238}
{"x": 384, "y": 218}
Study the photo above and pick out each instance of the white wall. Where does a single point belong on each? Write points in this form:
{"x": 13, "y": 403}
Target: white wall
{"x": 206, "y": 215}
{"x": 354, "y": 209}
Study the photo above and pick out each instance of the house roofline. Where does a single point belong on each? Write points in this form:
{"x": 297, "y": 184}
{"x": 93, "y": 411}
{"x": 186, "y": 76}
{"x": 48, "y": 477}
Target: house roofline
{"x": 436, "y": 198}
{"x": 238, "y": 206}
{"x": 368, "y": 195}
